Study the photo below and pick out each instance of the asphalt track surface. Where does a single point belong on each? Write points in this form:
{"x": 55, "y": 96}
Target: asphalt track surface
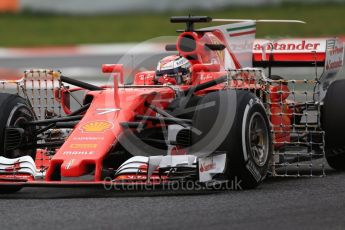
{"x": 311, "y": 203}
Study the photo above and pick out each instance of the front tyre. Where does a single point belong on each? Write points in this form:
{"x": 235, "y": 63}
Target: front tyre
{"x": 15, "y": 112}
{"x": 248, "y": 142}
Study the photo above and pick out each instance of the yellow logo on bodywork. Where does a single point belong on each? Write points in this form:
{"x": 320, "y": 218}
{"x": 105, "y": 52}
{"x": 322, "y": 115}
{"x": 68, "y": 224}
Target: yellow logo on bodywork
{"x": 96, "y": 126}
{"x": 83, "y": 146}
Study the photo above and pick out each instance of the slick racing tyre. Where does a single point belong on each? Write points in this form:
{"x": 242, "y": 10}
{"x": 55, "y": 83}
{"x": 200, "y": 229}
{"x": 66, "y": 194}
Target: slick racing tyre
{"x": 14, "y": 113}
{"x": 247, "y": 142}
{"x": 333, "y": 123}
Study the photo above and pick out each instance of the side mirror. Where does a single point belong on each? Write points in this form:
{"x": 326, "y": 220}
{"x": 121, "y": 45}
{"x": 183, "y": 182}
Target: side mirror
{"x": 114, "y": 69}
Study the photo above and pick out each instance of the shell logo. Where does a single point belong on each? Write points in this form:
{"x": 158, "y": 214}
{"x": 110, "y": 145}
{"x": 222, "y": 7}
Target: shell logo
{"x": 96, "y": 126}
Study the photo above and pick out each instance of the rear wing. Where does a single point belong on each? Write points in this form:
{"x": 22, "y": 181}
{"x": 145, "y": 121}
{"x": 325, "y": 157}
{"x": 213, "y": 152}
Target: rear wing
{"x": 302, "y": 52}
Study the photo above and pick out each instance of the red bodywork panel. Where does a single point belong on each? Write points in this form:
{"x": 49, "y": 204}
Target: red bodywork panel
{"x": 97, "y": 132}
{"x": 144, "y": 78}
{"x": 292, "y": 57}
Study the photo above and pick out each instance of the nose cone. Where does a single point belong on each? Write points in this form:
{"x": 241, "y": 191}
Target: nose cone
{"x": 75, "y": 167}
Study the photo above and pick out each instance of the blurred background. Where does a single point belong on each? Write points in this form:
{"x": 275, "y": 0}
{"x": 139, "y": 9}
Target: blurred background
{"x": 77, "y": 36}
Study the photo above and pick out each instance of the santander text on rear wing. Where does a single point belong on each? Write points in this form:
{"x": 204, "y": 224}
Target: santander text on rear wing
{"x": 298, "y": 52}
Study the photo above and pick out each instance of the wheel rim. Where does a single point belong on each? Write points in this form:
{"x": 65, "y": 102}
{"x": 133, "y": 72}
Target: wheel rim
{"x": 258, "y": 139}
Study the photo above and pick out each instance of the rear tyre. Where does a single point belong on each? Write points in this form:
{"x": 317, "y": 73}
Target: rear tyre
{"x": 333, "y": 123}
{"x": 247, "y": 143}
{"x": 14, "y": 113}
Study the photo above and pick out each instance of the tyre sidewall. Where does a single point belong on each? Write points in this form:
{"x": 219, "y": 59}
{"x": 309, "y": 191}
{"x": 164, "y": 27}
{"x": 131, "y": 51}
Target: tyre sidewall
{"x": 241, "y": 164}
{"x": 333, "y": 123}
{"x": 11, "y": 105}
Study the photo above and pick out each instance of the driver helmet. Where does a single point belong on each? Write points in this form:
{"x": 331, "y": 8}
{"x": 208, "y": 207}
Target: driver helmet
{"x": 175, "y": 70}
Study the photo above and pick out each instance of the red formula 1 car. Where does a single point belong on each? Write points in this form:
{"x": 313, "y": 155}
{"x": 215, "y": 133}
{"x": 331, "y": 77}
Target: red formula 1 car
{"x": 212, "y": 112}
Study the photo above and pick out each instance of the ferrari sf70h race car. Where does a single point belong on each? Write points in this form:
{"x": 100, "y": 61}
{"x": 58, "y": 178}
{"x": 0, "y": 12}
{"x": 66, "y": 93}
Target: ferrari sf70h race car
{"x": 212, "y": 113}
